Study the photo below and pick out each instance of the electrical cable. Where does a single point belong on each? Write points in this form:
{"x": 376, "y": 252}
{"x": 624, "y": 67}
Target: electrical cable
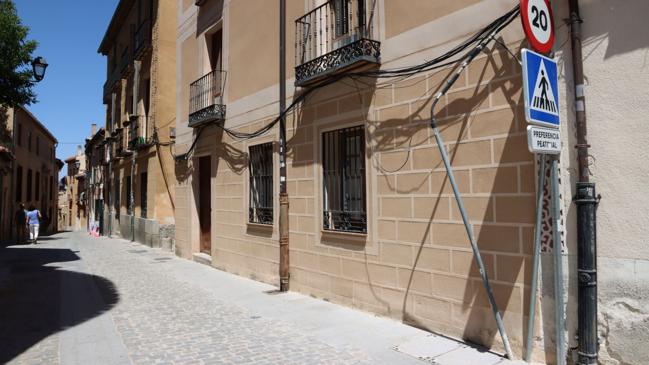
{"x": 441, "y": 61}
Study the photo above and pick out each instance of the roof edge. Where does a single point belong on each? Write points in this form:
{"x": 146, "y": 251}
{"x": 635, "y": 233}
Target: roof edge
{"x": 123, "y": 7}
{"x": 38, "y": 123}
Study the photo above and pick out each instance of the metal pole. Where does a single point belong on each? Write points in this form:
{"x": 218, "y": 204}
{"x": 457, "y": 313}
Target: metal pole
{"x": 458, "y": 197}
{"x": 474, "y": 246}
{"x": 283, "y": 194}
{"x": 558, "y": 264}
{"x": 586, "y": 201}
{"x": 131, "y": 198}
{"x": 535, "y": 264}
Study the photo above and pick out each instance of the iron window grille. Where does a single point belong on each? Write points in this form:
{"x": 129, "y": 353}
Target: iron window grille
{"x": 143, "y": 195}
{"x": 261, "y": 184}
{"x": 129, "y": 205}
{"x": 19, "y": 183}
{"x": 29, "y": 185}
{"x": 343, "y": 165}
{"x": 116, "y": 203}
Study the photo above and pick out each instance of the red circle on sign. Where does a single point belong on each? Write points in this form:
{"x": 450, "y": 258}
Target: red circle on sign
{"x": 538, "y": 24}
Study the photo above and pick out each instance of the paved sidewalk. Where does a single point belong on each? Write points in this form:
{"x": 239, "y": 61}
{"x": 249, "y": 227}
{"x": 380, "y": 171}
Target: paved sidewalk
{"x": 121, "y": 303}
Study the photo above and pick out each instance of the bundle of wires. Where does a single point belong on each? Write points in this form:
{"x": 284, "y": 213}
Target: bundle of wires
{"x": 444, "y": 60}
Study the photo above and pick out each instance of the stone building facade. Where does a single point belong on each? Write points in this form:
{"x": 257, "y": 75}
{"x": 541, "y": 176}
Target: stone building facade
{"x": 139, "y": 94}
{"x": 380, "y": 230}
{"x": 75, "y": 185}
{"x": 30, "y": 170}
{"x": 373, "y": 221}
{"x": 96, "y": 157}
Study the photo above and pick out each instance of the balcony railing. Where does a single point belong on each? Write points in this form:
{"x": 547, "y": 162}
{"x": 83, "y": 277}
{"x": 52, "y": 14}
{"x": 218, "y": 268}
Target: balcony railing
{"x": 137, "y": 133}
{"x": 125, "y": 62}
{"x": 333, "y": 37}
{"x": 110, "y": 81}
{"x": 119, "y": 142}
{"x": 206, "y": 100}
{"x": 142, "y": 39}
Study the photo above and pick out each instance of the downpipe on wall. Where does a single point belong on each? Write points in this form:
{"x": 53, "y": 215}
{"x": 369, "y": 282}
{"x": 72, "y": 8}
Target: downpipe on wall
{"x": 283, "y": 193}
{"x": 586, "y": 201}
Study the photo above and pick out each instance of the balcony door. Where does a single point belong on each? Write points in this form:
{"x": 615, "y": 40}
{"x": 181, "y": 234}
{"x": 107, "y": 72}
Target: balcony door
{"x": 205, "y": 203}
{"x": 216, "y": 50}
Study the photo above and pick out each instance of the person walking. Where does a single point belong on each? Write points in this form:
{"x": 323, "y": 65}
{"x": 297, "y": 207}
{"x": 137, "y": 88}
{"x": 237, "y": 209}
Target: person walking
{"x": 19, "y": 221}
{"x": 33, "y": 220}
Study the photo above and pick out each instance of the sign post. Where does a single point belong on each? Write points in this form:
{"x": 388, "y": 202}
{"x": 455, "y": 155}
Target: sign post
{"x": 541, "y": 98}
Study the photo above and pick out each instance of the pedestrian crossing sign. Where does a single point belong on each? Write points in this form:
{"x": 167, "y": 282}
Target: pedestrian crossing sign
{"x": 540, "y": 88}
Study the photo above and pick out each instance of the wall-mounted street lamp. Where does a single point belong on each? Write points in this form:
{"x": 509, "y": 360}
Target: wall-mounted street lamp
{"x": 39, "y": 65}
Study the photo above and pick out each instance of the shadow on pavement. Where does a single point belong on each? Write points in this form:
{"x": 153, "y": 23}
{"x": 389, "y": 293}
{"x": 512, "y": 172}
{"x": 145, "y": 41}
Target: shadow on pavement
{"x": 30, "y": 297}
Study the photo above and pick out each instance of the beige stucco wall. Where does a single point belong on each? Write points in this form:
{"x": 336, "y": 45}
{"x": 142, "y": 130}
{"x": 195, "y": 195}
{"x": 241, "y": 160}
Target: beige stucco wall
{"x": 414, "y": 229}
{"x": 402, "y": 18}
{"x": 615, "y": 46}
{"x": 157, "y": 65}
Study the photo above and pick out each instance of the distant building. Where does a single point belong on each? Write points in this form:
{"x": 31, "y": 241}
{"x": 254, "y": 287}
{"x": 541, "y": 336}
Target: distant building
{"x": 95, "y": 172}
{"x": 76, "y": 190}
{"x": 140, "y": 92}
{"x": 64, "y": 210}
{"x": 28, "y": 170}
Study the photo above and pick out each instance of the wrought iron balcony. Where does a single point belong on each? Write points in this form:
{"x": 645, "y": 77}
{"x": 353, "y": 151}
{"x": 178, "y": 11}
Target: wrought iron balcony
{"x": 334, "y": 37}
{"x": 110, "y": 82}
{"x": 142, "y": 40}
{"x": 137, "y": 131}
{"x": 125, "y": 63}
{"x": 206, "y": 99}
{"x": 119, "y": 142}
{"x": 137, "y": 143}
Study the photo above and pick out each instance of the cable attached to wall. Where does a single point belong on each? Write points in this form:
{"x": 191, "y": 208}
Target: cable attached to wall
{"x": 441, "y": 61}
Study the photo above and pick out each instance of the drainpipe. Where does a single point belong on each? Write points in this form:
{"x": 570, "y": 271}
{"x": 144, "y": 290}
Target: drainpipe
{"x": 136, "y": 89}
{"x": 12, "y": 174}
{"x": 111, "y": 206}
{"x": 283, "y": 194}
{"x": 586, "y": 201}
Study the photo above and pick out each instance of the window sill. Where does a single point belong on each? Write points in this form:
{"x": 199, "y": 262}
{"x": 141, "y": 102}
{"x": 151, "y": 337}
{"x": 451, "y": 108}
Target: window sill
{"x": 259, "y": 225}
{"x": 260, "y": 230}
{"x": 339, "y": 237}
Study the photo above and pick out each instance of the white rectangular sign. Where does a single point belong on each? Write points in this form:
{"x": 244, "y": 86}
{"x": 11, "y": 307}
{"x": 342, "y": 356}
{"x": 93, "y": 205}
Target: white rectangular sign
{"x": 543, "y": 140}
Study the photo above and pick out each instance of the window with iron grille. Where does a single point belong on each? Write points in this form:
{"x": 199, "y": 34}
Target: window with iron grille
{"x": 143, "y": 194}
{"x": 261, "y": 184}
{"x": 29, "y": 185}
{"x": 37, "y": 185}
{"x": 19, "y": 183}
{"x": 117, "y": 198}
{"x": 343, "y": 165}
{"x": 129, "y": 206}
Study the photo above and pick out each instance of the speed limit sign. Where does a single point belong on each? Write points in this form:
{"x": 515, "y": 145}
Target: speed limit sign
{"x": 538, "y": 24}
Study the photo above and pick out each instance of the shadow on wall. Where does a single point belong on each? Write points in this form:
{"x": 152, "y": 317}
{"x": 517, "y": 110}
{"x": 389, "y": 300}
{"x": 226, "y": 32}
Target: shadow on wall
{"x": 621, "y": 22}
{"x": 475, "y": 313}
{"x": 499, "y": 75}
{"x": 31, "y": 297}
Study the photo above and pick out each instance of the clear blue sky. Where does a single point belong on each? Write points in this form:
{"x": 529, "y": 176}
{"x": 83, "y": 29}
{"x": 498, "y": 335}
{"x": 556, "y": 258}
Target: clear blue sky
{"x": 68, "y": 33}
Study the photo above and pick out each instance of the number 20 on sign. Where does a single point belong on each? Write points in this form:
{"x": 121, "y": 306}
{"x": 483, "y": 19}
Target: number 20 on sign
{"x": 538, "y": 24}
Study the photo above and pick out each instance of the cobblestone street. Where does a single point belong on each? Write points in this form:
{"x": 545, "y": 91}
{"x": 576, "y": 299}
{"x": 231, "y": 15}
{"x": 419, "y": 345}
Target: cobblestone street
{"x": 73, "y": 299}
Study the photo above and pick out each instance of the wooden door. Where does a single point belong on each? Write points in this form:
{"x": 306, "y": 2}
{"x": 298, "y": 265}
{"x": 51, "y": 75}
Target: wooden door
{"x": 204, "y": 203}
